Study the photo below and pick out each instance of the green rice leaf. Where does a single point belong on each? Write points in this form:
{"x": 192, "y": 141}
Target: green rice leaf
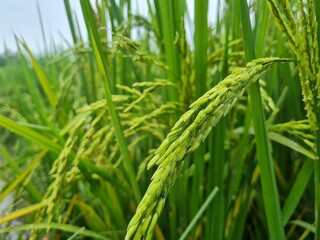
{"x": 29, "y": 134}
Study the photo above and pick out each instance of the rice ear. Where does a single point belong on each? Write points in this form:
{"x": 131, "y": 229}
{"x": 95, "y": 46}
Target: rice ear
{"x": 185, "y": 138}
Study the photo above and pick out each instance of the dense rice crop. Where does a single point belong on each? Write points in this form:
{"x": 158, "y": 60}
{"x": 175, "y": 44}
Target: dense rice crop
{"x": 140, "y": 132}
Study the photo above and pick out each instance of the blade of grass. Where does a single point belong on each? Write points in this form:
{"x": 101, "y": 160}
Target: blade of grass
{"x": 42, "y": 76}
{"x": 93, "y": 219}
{"x": 33, "y": 191}
{"x": 240, "y": 212}
{"x": 6, "y": 156}
{"x": 238, "y": 170}
{"x": 73, "y": 236}
{"x": 304, "y": 225}
{"x": 318, "y": 26}
{"x": 200, "y": 66}
{"x": 114, "y": 9}
{"x": 260, "y": 30}
{"x": 241, "y": 154}
{"x": 291, "y": 144}
{"x": 58, "y": 226}
{"x": 268, "y": 181}
{"x": 295, "y": 146}
{"x": 36, "y": 97}
{"x": 21, "y": 212}
{"x": 297, "y": 190}
{"x": 105, "y": 72}
{"x": 216, "y": 225}
{"x": 70, "y": 20}
{"x": 156, "y": 20}
{"x": 42, "y": 28}
{"x": 75, "y": 41}
{"x": 317, "y": 178}
{"x": 22, "y": 176}
{"x": 29, "y": 134}
{"x": 171, "y": 55}
{"x": 204, "y": 206}
{"x": 32, "y": 88}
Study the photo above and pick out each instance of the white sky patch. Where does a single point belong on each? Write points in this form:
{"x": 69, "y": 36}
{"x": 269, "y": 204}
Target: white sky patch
{"x": 21, "y": 17}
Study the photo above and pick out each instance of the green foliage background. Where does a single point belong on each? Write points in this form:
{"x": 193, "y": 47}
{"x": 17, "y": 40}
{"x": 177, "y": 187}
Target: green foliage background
{"x": 163, "y": 138}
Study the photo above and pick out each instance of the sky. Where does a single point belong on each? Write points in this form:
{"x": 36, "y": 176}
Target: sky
{"x": 20, "y": 17}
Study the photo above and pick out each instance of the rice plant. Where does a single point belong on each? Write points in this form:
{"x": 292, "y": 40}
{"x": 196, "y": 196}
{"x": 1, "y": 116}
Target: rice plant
{"x": 158, "y": 126}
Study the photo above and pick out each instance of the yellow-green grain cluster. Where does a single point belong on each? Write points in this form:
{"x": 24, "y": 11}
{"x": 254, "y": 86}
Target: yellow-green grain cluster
{"x": 187, "y": 134}
{"x": 234, "y": 56}
{"x": 299, "y": 129}
{"x": 92, "y": 137}
{"x": 302, "y": 35}
{"x": 54, "y": 192}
